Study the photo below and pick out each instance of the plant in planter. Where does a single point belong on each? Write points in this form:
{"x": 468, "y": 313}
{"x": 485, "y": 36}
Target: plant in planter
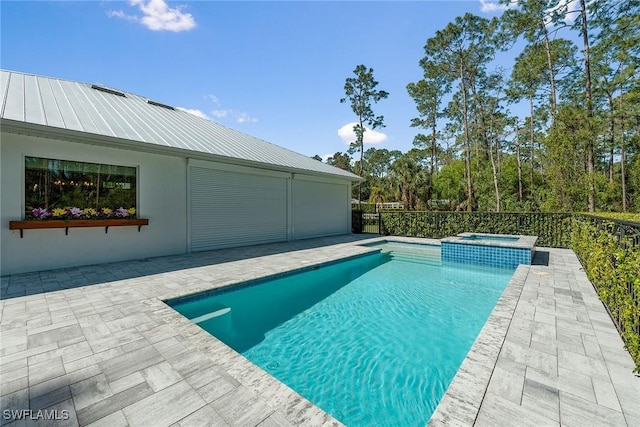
{"x": 67, "y": 214}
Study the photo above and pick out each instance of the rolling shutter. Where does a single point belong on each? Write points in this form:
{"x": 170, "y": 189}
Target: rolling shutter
{"x": 235, "y": 209}
{"x": 320, "y": 208}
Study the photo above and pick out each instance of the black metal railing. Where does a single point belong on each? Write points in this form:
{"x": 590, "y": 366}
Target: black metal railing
{"x": 624, "y": 264}
{"x": 365, "y": 222}
{"x": 552, "y": 229}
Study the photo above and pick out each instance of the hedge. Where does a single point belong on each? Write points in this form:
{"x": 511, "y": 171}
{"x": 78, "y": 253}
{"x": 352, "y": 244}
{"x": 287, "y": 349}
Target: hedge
{"x": 611, "y": 260}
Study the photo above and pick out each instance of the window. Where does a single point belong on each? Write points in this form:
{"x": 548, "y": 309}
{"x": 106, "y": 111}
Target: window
{"x": 91, "y": 187}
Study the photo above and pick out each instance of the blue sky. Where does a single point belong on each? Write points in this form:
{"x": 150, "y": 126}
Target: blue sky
{"x": 275, "y": 70}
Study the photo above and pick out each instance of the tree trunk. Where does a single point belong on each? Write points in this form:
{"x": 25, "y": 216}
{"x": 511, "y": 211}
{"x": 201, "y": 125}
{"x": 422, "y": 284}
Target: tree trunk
{"x": 532, "y": 143}
{"x": 467, "y": 149}
{"x": 623, "y": 155}
{"x": 495, "y": 179}
{"x": 361, "y": 158}
{"x": 590, "y": 143}
{"x": 552, "y": 77}
{"x": 520, "y": 195}
{"x": 612, "y": 141}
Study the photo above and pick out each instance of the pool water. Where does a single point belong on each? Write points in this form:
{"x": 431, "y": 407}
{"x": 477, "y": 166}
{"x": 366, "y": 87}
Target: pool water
{"x": 484, "y": 237}
{"x": 373, "y": 341}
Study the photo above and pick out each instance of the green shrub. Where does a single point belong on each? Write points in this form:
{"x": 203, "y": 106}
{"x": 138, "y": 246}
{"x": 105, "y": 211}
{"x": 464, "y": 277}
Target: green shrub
{"x": 552, "y": 229}
{"x": 613, "y": 266}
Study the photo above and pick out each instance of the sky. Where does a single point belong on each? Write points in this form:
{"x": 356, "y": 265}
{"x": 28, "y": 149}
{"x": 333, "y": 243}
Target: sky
{"x": 274, "y": 70}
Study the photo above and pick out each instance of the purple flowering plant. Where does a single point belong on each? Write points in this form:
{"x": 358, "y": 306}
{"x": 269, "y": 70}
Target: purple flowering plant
{"x": 77, "y": 213}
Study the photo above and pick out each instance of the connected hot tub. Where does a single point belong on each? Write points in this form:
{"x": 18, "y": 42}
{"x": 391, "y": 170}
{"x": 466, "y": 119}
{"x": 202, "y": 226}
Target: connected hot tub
{"x": 496, "y": 250}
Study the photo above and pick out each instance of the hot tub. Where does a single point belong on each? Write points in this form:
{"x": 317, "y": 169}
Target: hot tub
{"x": 496, "y": 250}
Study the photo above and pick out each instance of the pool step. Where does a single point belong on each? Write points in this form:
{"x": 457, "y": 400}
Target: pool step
{"x": 417, "y": 257}
{"x": 211, "y": 315}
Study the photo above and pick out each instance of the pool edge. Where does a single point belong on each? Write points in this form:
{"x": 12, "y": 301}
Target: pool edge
{"x": 461, "y": 402}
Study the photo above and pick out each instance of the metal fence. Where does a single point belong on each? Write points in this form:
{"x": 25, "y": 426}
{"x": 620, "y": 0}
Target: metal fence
{"x": 552, "y": 229}
{"x": 627, "y": 236}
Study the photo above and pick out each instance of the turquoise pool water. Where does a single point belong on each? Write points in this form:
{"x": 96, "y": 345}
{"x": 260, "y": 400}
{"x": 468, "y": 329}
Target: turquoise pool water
{"x": 483, "y": 237}
{"x": 374, "y": 340}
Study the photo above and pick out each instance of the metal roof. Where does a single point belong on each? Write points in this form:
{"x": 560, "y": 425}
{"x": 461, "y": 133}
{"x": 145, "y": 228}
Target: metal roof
{"x": 42, "y": 105}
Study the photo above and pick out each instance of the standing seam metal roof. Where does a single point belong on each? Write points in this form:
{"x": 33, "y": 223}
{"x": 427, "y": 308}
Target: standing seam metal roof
{"x": 76, "y": 106}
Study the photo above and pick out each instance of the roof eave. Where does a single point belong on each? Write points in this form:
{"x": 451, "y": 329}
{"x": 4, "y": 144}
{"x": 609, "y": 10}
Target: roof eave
{"x": 49, "y": 132}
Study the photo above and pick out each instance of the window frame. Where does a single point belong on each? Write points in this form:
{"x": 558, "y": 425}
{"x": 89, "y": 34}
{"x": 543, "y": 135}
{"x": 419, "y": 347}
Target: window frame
{"x": 23, "y": 177}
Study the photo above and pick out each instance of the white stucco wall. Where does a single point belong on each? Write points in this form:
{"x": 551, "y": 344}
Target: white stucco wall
{"x": 161, "y": 198}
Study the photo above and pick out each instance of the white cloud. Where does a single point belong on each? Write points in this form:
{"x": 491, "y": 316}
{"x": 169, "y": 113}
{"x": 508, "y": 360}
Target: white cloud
{"x": 237, "y": 116}
{"x": 158, "y": 16}
{"x": 220, "y": 114}
{"x": 213, "y": 99}
{"x": 572, "y": 8}
{"x": 195, "y": 112}
{"x": 489, "y": 6}
{"x": 347, "y": 135}
{"x": 325, "y": 157}
{"x": 120, "y": 14}
{"x": 228, "y": 114}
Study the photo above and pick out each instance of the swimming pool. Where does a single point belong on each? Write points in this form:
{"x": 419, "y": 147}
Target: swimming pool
{"x": 373, "y": 341}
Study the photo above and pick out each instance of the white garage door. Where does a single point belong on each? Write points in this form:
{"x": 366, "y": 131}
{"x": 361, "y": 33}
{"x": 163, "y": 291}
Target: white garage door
{"x": 320, "y": 208}
{"x": 235, "y": 209}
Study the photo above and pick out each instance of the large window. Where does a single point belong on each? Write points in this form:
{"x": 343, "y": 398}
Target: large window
{"x": 91, "y": 189}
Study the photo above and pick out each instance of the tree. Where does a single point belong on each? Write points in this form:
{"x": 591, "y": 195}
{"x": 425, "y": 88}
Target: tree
{"x": 530, "y": 75}
{"x": 360, "y": 92}
{"x": 340, "y": 160}
{"x": 427, "y": 94}
{"x": 615, "y": 59}
{"x": 460, "y": 52}
{"x": 405, "y": 178}
{"x": 536, "y": 20}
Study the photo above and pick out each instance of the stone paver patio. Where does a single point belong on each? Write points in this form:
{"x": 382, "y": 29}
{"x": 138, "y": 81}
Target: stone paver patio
{"x": 99, "y": 343}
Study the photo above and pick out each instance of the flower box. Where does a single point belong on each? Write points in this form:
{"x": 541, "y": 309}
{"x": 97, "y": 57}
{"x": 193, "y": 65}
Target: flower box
{"x": 73, "y": 223}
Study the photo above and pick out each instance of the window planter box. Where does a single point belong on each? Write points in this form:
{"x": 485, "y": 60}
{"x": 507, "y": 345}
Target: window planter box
{"x": 73, "y": 223}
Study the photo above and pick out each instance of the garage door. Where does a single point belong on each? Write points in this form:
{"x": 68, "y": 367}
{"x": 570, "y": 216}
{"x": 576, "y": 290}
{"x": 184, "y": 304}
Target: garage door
{"x": 235, "y": 209}
{"x": 320, "y": 208}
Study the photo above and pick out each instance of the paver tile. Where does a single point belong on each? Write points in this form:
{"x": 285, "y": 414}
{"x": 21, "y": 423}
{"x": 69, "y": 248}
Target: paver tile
{"x": 114, "y": 403}
{"x": 90, "y": 391}
{"x": 164, "y": 407}
{"x": 203, "y": 417}
{"x": 113, "y": 351}
{"x": 575, "y": 411}
{"x": 496, "y": 411}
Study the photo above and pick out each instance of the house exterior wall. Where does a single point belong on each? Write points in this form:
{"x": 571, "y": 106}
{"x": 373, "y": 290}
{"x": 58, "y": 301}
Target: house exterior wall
{"x": 236, "y": 206}
{"x": 321, "y": 207}
{"x": 162, "y": 199}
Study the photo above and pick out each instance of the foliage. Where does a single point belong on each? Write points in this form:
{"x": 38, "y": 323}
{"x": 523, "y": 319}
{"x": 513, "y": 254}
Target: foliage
{"x": 612, "y": 264}
{"x": 360, "y": 92}
{"x": 577, "y": 148}
{"x": 633, "y": 217}
{"x": 552, "y": 229}
{"x": 42, "y": 214}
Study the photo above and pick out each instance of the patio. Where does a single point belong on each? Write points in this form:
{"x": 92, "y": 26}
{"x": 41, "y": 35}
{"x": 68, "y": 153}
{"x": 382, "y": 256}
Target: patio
{"x": 98, "y": 342}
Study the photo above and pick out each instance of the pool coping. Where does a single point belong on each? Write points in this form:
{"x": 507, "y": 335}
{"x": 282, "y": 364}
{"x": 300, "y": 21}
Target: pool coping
{"x": 523, "y": 242}
{"x": 462, "y": 400}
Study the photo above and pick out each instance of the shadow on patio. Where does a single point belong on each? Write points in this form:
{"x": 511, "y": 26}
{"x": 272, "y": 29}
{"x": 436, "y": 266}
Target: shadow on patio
{"x": 18, "y": 285}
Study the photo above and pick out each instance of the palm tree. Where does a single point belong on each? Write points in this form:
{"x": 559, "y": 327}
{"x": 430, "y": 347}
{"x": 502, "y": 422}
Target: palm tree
{"x": 377, "y": 196}
{"x": 405, "y": 178}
